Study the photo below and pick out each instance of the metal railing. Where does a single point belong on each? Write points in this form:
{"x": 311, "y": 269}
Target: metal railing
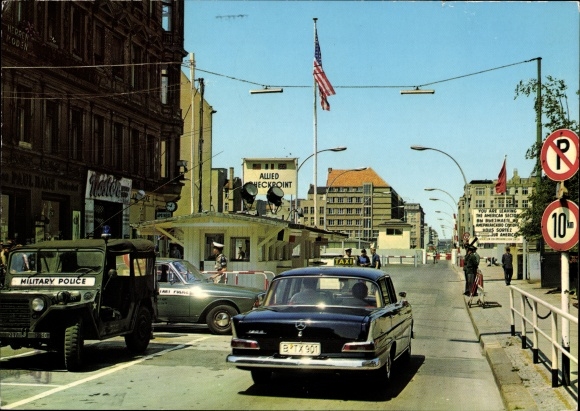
{"x": 555, "y": 313}
{"x": 255, "y": 279}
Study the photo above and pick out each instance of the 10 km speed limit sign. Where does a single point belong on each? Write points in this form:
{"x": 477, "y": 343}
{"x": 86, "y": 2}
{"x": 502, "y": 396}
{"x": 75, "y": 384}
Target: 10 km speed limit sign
{"x": 560, "y": 225}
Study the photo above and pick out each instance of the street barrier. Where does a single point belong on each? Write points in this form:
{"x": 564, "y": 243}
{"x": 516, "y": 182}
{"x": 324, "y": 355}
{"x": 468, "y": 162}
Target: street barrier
{"x": 553, "y": 338}
{"x": 255, "y": 279}
{"x": 401, "y": 259}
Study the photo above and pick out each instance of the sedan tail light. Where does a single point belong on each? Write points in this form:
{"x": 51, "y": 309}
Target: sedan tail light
{"x": 245, "y": 344}
{"x": 366, "y": 346}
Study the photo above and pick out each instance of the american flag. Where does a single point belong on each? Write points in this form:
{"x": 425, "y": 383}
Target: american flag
{"x": 324, "y": 85}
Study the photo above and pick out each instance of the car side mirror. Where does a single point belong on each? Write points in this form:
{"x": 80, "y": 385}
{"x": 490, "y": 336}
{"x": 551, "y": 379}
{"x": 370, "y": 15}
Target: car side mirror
{"x": 112, "y": 273}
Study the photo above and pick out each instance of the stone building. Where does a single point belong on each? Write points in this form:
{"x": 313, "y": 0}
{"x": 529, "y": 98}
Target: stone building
{"x": 90, "y": 112}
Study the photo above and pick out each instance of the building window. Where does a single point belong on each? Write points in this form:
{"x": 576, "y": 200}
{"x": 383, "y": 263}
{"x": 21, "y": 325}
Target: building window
{"x": 117, "y": 151}
{"x": 76, "y": 134}
{"x": 77, "y": 41}
{"x": 240, "y": 248}
{"x": 23, "y": 114}
{"x": 525, "y": 190}
{"x": 135, "y": 150}
{"x": 479, "y": 191}
{"x": 136, "y": 68}
{"x": 99, "y": 45}
{"x": 117, "y": 59}
{"x": 53, "y": 23}
{"x": 164, "y": 85}
{"x": 479, "y": 203}
{"x": 150, "y": 165}
{"x": 525, "y": 203}
{"x": 51, "y": 127}
{"x": 311, "y": 210}
{"x": 98, "y": 139}
{"x": 394, "y": 231}
{"x": 166, "y": 15}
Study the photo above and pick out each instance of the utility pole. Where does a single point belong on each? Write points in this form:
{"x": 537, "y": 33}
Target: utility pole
{"x": 201, "y": 89}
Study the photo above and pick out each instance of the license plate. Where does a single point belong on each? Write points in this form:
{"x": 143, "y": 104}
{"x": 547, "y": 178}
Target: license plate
{"x": 309, "y": 349}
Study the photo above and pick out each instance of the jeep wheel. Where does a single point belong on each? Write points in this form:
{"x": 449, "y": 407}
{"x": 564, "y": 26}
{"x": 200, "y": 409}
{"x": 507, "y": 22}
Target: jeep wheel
{"x": 139, "y": 338}
{"x": 73, "y": 346}
{"x": 219, "y": 319}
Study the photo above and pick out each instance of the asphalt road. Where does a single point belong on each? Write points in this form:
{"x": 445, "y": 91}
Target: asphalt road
{"x": 185, "y": 368}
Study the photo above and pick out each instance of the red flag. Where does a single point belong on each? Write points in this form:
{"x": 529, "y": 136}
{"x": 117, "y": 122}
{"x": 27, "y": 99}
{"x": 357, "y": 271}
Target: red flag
{"x": 324, "y": 86}
{"x": 501, "y": 185}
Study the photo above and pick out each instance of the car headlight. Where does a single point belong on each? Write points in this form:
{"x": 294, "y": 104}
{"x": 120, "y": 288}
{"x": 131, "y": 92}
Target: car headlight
{"x": 37, "y": 304}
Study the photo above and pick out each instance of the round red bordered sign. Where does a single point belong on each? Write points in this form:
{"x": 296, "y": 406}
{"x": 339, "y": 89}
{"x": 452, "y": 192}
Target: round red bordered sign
{"x": 560, "y": 225}
{"x": 559, "y": 155}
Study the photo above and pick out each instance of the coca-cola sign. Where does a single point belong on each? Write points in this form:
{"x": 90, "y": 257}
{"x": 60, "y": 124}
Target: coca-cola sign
{"x": 108, "y": 187}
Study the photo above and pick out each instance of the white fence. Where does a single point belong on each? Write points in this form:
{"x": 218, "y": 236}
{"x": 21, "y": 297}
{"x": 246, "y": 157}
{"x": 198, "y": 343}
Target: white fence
{"x": 532, "y": 319}
{"x": 255, "y": 279}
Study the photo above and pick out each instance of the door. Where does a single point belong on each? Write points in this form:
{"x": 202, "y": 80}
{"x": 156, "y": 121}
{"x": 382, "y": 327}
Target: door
{"x": 174, "y": 295}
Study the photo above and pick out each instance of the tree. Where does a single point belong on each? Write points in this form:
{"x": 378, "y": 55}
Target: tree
{"x": 554, "y": 108}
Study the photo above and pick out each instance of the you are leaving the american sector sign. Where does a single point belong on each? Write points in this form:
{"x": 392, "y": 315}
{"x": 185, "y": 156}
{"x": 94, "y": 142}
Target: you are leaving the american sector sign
{"x": 496, "y": 225}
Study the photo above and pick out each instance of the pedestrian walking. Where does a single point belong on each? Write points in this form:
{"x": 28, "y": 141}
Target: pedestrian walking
{"x": 471, "y": 265}
{"x": 507, "y": 264}
{"x": 221, "y": 263}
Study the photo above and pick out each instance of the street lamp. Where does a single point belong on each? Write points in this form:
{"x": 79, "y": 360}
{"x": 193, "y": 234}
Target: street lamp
{"x": 438, "y": 199}
{"x": 450, "y": 196}
{"x": 330, "y": 185}
{"x": 466, "y": 207}
{"x": 267, "y": 89}
{"x": 335, "y": 149}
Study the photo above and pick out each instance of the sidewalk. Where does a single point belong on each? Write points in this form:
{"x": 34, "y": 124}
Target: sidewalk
{"x": 523, "y": 385}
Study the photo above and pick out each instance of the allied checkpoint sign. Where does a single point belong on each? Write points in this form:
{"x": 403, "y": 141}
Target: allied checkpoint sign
{"x": 559, "y": 155}
{"x": 496, "y": 225}
{"x": 560, "y": 225}
{"x": 271, "y": 172}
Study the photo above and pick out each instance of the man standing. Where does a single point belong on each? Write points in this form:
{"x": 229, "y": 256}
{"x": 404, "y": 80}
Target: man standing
{"x": 472, "y": 264}
{"x": 507, "y": 264}
{"x": 375, "y": 259}
{"x": 221, "y": 263}
{"x": 363, "y": 259}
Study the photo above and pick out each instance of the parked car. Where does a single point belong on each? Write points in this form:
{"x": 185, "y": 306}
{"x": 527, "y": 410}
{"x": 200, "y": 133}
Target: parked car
{"x": 337, "y": 319}
{"x": 186, "y": 296}
{"x": 60, "y": 293}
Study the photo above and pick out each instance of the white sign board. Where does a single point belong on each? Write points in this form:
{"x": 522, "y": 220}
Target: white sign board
{"x": 496, "y": 225}
{"x": 271, "y": 172}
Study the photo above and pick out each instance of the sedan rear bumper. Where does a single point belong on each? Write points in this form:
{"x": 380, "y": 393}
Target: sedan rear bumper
{"x": 305, "y": 363}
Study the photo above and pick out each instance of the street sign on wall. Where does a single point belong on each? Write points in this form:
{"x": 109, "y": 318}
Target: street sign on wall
{"x": 559, "y": 155}
{"x": 271, "y": 172}
{"x": 560, "y": 225}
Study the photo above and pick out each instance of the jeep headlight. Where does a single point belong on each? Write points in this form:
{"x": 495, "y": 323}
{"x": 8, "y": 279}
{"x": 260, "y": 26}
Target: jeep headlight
{"x": 37, "y": 304}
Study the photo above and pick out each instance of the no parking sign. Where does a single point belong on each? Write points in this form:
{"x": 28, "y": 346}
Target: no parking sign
{"x": 559, "y": 155}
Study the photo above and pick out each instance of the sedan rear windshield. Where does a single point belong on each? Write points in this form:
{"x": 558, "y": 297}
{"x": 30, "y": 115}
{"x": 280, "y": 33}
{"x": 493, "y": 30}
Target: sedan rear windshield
{"x": 324, "y": 291}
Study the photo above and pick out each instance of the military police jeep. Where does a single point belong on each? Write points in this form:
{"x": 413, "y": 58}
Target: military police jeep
{"x": 58, "y": 294}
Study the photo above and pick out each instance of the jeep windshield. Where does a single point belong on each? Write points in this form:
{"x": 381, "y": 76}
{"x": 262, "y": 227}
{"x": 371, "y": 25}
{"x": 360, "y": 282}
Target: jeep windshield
{"x": 56, "y": 261}
{"x": 188, "y": 271}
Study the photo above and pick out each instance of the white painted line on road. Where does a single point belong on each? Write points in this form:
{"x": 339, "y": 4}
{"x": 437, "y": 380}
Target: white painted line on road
{"x": 96, "y": 376}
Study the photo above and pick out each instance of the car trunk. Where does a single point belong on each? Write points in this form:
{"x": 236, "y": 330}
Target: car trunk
{"x": 332, "y": 327}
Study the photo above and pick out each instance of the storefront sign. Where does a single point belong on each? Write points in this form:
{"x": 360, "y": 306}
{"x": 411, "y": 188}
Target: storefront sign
{"x": 496, "y": 225}
{"x": 108, "y": 188}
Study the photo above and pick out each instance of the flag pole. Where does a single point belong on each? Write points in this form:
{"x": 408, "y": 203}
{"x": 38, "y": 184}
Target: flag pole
{"x": 315, "y": 126}
{"x": 505, "y": 192}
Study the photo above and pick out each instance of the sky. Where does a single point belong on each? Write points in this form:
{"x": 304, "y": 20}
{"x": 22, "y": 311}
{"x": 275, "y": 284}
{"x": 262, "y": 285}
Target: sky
{"x": 371, "y": 50}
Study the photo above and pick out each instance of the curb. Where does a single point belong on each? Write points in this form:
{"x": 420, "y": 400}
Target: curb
{"x": 514, "y": 394}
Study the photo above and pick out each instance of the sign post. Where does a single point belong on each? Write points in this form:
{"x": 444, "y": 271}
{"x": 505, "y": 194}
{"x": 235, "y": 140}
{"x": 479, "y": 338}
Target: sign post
{"x": 560, "y": 161}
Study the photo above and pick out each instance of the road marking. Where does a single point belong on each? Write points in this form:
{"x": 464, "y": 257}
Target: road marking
{"x": 96, "y": 376}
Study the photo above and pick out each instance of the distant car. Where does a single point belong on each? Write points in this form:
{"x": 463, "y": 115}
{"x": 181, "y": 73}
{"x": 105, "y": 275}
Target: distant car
{"x": 186, "y": 296}
{"x": 321, "y": 319}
